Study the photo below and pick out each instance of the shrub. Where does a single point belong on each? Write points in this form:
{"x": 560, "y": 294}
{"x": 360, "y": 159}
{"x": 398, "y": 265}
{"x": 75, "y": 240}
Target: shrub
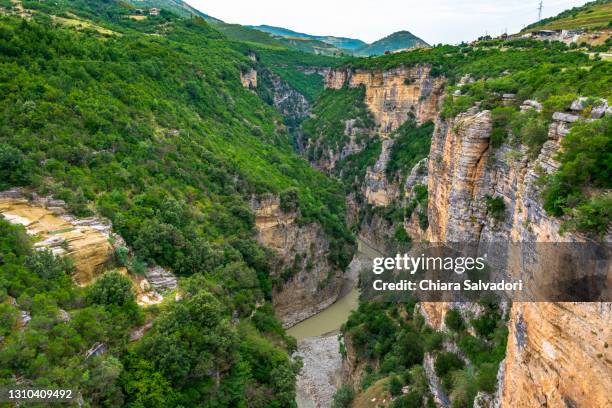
{"x": 464, "y": 389}
{"x": 289, "y": 200}
{"x": 122, "y": 256}
{"x": 454, "y": 321}
{"x": 395, "y": 386}
{"x": 486, "y": 378}
{"x": 447, "y": 362}
{"x": 496, "y": 207}
{"x": 401, "y": 235}
{"x": 412, "y": 400}
{"x": 592, "y": 216}
{"x": 501, "y": 117}
{"x": 534, "y": 133}
{"x": 49, "y": 266}
{"x": 343, "y": 397}
{"x": 13, "y": 168}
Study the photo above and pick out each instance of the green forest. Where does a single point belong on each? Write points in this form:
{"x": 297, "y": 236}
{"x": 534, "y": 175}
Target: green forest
{"x": 156, "y": 133}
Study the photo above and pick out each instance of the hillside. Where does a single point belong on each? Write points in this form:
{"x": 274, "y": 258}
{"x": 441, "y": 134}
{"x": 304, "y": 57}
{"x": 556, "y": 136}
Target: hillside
{"x": 595, "y": 14}
{"x": 177, "y": 7}
{"x": 157, "y": 134}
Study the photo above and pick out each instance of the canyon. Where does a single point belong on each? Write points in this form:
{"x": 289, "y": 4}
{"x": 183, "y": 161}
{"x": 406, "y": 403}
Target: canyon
{"x": 556, "y": 352}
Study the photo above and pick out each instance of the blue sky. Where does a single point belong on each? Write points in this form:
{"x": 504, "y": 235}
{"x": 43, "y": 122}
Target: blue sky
{"x": 447, "y": 21}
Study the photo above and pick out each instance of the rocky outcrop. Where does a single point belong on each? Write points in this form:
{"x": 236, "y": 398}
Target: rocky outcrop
{"x": 86, "y": 241}
{"x": 292, "y": 105}
{"x": 378, "y": 190}
{"x": 307, "y": 281}
{"x": 457, "y": 162}
{"x": 89, "y": 242}
{"x": 394, "y": 95}
{"x": 248, "y": 79}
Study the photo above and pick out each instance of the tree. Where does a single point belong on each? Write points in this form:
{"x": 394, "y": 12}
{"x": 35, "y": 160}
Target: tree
{"x": 101, "y": 387}
{"x": 454, "y": 321}
{"x": 112, "y": 288}
{"x": 49, "y": 266}
{"x": 13, "y": 170}
{"x": 289, "y": 200}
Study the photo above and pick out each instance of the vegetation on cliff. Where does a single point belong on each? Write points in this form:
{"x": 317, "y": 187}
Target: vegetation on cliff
{"x": 326, "y": 129}
{"x": 79, "y": 338}
{"x": 412, "y": 143}
{"x": 580, "y": 189}
{"x": 393, "y": 338}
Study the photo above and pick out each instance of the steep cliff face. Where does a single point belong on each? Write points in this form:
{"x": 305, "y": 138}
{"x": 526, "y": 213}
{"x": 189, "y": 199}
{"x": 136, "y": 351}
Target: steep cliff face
{"x": 378, "y": 190}
{"x": 457, "y": 162}
{"x": 394, "y": 95}
{"x": 557, "y": 353}
{"x": 393, "y": 98}
{"x": 308, "y": 283}
{"x": 558, "y": 356}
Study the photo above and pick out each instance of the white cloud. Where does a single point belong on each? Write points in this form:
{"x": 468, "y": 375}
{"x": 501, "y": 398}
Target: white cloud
{"x": 447, "y": 21}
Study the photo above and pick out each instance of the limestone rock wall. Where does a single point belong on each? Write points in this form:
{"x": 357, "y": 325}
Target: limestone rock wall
{"x": 84, "y": 241}
{"x": 378, "y": 190}
{"x": 393, "y": 95}
{"x": 314, "y": 283}
{"x": 557, "y": 354}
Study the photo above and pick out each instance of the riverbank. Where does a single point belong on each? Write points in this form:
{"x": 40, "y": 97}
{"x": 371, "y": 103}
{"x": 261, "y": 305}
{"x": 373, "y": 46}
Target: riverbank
{"x": 317, "y": 338}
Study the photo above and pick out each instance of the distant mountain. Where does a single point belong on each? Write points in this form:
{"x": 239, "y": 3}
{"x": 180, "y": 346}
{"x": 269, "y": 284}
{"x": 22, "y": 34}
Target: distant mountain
{"x": 595, "y": 14}
{"x": 394, "y": 42}
{"x": 244, "y": 33}
{"x": 339, "y": 42}
{"x": 178, "y": 7}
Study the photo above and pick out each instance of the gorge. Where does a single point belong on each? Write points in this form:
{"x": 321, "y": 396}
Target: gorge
{"x": 462, "y": 169}
{"x": 187, "y": 207}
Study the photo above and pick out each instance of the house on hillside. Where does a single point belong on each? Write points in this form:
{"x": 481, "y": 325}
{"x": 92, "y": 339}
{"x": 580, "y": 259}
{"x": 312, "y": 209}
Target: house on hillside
{"x": 154, "y": 11}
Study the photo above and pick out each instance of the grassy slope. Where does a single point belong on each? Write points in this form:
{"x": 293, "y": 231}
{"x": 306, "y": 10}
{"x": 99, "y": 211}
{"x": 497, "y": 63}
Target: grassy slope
{"x": 177, "y": 7}
{"x": 596, "y": 14}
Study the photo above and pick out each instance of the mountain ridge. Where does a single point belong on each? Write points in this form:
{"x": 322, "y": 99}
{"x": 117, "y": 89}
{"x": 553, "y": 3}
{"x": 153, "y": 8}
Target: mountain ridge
{"x": 396, "y": 41}
{"x": 341, "y": 42}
